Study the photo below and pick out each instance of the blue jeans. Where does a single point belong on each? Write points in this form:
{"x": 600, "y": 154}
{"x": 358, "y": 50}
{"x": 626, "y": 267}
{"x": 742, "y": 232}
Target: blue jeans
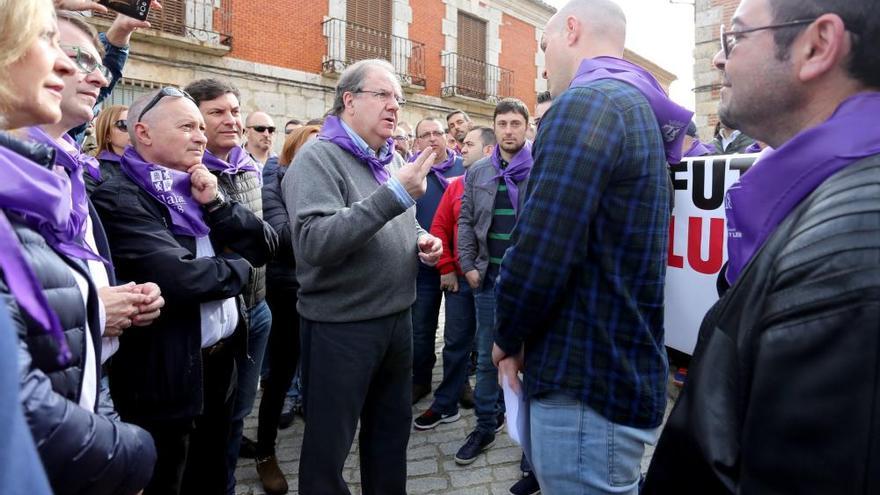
{"x": 425, "y": 313}
{"x": 575, "y": 450}
{"x": 458, "y": 338}
{"x": 260, "y": 322}
{"x": 487, "y": 393}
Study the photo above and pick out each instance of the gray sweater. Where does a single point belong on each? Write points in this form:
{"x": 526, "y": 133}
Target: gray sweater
{"x": 356, "y": 246}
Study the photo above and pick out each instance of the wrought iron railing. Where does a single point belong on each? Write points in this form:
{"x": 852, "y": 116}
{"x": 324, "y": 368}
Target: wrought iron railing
{"x": 208, "y": 21}
{"x": 348, "y": 42}
{"x": 474, "y": 78}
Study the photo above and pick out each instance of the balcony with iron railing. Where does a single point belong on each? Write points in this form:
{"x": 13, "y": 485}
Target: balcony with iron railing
{"x": 205, "y": 23}
{"x": 348, "y": 42}
{"x": 469, "y": 78}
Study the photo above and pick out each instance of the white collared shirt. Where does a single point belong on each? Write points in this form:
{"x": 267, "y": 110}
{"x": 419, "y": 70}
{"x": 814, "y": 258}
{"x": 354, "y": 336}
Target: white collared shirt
{"x": 219, "y": 318}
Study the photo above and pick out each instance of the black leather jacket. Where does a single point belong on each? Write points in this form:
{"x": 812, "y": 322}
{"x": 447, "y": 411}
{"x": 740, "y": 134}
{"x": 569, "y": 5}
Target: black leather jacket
{"x": 783, "y": 392}
{"x": 81, "y": 451}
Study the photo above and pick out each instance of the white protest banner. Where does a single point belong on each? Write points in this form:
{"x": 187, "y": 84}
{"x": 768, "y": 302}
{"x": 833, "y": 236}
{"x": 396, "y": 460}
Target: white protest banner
{"x": 697, "y": 242}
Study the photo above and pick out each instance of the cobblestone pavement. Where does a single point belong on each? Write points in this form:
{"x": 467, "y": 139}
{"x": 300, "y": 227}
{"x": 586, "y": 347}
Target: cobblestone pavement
{"x": 430, "y": 468}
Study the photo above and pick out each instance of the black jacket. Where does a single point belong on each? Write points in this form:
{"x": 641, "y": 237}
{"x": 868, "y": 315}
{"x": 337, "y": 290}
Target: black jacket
{"x": 783, "y": 392}
{"x": 281, "y": 272}
{"x": 81, "y": 451}
{"x": 109, "y": 169}
{"x": 157, "y": 373}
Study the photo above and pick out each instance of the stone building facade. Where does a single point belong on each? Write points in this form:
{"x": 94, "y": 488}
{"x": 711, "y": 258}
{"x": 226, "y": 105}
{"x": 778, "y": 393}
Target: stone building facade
{"x": 286, "y": 55}
{"x": 710, "y": 15}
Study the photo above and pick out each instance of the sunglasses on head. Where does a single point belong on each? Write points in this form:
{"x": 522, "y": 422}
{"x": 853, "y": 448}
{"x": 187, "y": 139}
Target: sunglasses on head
{"x": 263, "y": 128}
{"x": 121, "y": 125}
{"x": 166, "y": 91}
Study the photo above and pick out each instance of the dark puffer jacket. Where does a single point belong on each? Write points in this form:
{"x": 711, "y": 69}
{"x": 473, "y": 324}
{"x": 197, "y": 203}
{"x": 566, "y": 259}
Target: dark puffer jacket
{"x": 281, "y": 272}
{"x": 245, "y": 188}
{"x": 81, "y": 451}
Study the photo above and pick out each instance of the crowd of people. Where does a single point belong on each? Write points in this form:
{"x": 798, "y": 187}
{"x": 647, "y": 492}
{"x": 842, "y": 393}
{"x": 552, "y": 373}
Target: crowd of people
{"x": 151, "y": 287}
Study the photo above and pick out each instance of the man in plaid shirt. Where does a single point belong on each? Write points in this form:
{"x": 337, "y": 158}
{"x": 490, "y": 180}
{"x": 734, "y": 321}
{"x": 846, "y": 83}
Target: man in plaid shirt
{"x": 580, "y": 291}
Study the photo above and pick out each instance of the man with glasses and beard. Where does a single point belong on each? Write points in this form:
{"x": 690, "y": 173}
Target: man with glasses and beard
{"x": 782, "y": 393}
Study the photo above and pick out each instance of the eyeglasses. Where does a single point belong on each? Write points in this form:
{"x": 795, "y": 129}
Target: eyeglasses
{"x": 384, "y": 96}
{"x": 166, "y": 91}
{"x": 85, "y": 61}
{"x": 403, "y": 137}
{"x": 121, "y": 125}
{"x": 263, "y": 128}
{"x": 729, "y": 38}
{"x": 429, "y": 134}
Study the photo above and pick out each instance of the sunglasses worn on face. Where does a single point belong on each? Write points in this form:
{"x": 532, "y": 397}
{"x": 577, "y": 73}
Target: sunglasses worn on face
{"x": 263, "y": 128}
{"x": 166, "y": 91}
{"x": 121, "y": 125}
{"x": 85, "y": 61}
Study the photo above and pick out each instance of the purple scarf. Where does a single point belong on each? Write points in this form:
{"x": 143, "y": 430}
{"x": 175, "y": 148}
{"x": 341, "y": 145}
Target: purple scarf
{"x": 109, "y": 156}
{"x": 697, "y": 149}
{"x": 74, "y": 165}
{"x": 517, "y": 170}
{"x": 672, "y": 118}
{"x": 440, "y": 169}
{"x": 753, "y": 148}
{"x": 333, "y": 131}
{"x": 780, "y": 179}
{"x": 239, "y": 161}
{"x": 170, "y": 187}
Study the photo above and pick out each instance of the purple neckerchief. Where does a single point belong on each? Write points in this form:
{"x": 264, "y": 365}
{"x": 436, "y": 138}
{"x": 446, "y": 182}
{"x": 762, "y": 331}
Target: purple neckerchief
{"x": 74, "y": 165}
{"x": 170, "y": 187}
{"x": 782, "y": 178}
{"x": 333, "y": 131}
{"x": 441, "y": 168}
{"x": 239, "y": 161}
{"x": 672, "y": 118}
{"x": 41, "y": 198}
{"x": 697, "y": 149}
{"x": 753, "y": 148}
{"x": 517, "y": 170}
{"x": 109, "y": 156}
{"x": 26, "y": 289}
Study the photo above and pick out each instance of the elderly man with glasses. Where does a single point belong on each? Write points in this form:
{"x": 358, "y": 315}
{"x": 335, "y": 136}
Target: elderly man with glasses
{"x": 168, "y": 223}
{"x": 358, "y": 244}
{"x": 782, "y": 393}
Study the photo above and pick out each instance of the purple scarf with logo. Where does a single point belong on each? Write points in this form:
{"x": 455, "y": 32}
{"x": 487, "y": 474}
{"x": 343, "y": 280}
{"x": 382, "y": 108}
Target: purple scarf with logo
{"x": 239, "y": 161}
{"x": 170, "y": 187}
{"x": 672, "y": 118}
{"x": 780, "y": 179}
{"x": 697, "y": 149}
{"x": 75, "y": 165}
{"x": 109, "y": 156}
{"x": 333, "y": 131}
{"x": 440, "y": 169}
{"x": 517, "y": 170}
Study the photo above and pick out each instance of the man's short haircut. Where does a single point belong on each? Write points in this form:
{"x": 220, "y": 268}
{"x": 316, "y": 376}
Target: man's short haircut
{"x": 78, "y": 21}
{"x": 352, "y": 79}
{"x": 434, "y": 119}
{"x": 293, "y": 122}
{"x": 544, "y": 97}
{"x": 509, "y": 105}
{"x": 862, "y": 20}
{"x": 464, "y": 114}
{"x": 210, "y": 89}
{"x": 692, "y": 130}
{"x": 487, "y": 135}
{"x": 319, "y": 121}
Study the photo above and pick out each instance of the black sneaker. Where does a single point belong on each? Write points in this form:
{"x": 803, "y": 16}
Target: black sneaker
{"x": 288, "y": 412}
{"x": 526, "y": 486}
{"x": 500, "y": 420}
{"x": 476, "y": 443}
{"x": 431, "y": 418}
{"x": 248, "y": 449}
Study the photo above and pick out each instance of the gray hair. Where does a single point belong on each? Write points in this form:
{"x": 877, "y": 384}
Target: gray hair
{"x": 352, "y": 79}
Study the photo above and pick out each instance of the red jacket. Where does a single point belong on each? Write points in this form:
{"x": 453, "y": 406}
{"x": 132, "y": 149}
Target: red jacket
{"x": 445, "y": 226}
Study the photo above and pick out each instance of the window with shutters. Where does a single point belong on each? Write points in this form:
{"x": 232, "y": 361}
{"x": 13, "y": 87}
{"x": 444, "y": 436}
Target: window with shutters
{"x": 471, "y": 63}
{"x": 368, "y": 29}
{"x": 128, "y": 90}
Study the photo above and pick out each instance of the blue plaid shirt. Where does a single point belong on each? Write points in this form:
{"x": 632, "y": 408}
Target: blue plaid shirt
{"x": 582, "y": 284}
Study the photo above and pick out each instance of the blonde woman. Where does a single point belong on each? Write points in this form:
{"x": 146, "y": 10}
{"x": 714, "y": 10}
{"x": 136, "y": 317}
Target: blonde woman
{"x": 81, "y": 451}
{"x": 111, "y": 132}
